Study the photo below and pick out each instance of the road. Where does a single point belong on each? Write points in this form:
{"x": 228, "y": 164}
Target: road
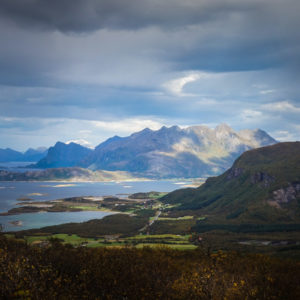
{"x": 157, "y": 214}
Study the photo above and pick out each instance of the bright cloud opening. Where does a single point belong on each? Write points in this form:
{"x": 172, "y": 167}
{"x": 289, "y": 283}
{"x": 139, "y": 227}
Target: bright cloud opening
{"x": 176, "y": 86}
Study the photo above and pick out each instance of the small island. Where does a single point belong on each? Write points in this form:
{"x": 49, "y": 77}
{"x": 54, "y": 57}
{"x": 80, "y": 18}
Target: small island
{"x": 87, "y": 203}
{"x": 16, "y": 223}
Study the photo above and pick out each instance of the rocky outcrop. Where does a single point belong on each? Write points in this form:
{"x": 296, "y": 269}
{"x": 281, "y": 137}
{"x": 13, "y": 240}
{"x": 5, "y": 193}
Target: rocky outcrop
{"x": 285, "y": 195}
{"x": 262, "y": 178}
{"x": 234, "y": 172}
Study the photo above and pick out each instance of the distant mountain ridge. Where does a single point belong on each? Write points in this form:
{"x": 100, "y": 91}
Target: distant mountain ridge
{"x": 63, "y": 155}
{"x": 195, "y": 151}
{"x": 31, "y": 155}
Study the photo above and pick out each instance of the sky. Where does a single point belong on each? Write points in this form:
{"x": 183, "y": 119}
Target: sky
{"x": 86, "y": 70}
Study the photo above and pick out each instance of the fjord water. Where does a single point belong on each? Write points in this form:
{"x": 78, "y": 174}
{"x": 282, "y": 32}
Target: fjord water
{"x": 45, "y": 191}
{"x": 42, "y": 219}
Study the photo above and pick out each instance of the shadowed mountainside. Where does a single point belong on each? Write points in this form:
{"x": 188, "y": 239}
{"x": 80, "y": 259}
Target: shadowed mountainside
{"x": 63, "y": 155}
{"x": 9, "y": 155}
{"x": 262, "y": 186}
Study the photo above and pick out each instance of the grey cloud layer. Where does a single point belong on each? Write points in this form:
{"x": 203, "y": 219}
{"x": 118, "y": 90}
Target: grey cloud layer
{"x": 187, "y": 35}
{"x": 100, "y": 60}
{"x": 86, "y": 15}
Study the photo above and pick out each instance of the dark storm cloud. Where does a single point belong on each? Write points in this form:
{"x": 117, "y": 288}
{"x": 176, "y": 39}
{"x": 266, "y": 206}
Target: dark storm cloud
{"x": 88, "y": 15}
{"x": 209, "y": 35}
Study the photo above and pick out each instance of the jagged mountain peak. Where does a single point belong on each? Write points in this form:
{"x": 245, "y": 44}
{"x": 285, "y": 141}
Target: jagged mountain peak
{"x": 109, "y": 141}
{"x": 202, "y": 128}
{"x": 145, "y": 131}
{"x": 223, "y": 128}
{"x": 81, "y": 142}
{"x": 69, "y": 145}
{"x": 173, "y": 128}
{"x": 64, "y": 155}
{"x": 59, "y": 143}
{"x": 257, "y": 137}
{"x": 194, "y": 151}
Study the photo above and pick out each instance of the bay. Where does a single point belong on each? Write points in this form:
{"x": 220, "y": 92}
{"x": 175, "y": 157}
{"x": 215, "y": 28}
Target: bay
{"x": 42, "y": 219}
{"x": 10, "y": 192}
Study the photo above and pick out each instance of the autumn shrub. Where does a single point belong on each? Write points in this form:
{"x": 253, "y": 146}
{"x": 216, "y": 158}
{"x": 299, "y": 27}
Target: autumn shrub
{"x": 61, "y": 271}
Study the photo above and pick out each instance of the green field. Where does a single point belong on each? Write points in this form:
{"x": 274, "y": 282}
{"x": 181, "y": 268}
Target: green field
{"x": 175, "y": 219}
{"x": 179, "y": 242}
{"x": 173, "y": 246}
{"x": 73, "y": 239}
{"x": 159, "y": 236}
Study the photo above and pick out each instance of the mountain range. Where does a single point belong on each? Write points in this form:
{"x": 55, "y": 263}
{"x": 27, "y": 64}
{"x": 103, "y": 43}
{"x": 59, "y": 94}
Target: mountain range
{"x": 174, "y": 152}
{"x": 31, "y": 155}
{"x": 196, "y": 151}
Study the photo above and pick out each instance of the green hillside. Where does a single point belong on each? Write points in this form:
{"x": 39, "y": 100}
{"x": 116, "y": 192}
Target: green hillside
{"x": 262, "y": 187}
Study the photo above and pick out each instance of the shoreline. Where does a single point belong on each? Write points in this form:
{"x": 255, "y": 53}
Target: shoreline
{"x": 84, "y": 181}
{"x": 72, "y": 204}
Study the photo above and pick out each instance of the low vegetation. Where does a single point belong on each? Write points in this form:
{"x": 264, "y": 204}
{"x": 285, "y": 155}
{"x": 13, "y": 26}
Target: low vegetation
{"x": 58, "y": 271}
{"x": 149, "y": 195}
{"x": 140, "y": 240}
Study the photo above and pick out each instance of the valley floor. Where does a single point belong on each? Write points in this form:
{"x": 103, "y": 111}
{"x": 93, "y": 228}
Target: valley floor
{"x": 143, "y": 220}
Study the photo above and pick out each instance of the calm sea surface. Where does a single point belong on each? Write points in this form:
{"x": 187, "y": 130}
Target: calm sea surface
{"x": 44, "y": 191}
